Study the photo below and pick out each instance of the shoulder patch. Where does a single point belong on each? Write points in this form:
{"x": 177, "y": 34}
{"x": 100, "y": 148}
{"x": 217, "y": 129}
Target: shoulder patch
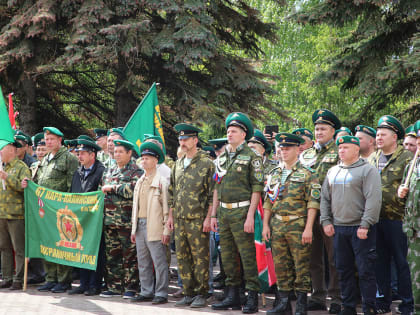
{"x": 315, "y": 193}
{"x": 243, "y": 157}
{"x": 256, "y": 163}
{"x": 316, "y": 186}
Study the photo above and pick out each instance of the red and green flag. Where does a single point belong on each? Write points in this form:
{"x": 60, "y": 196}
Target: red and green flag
{"x": 64, "y": 228}
{"x": 145, "y": 120}
{"x": 265, "y": 264}
{"x": 6, "y": 131}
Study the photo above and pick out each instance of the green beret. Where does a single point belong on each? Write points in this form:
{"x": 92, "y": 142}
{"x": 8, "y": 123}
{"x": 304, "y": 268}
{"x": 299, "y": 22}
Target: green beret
{"x": 20, "y": 135}
{"x": 116, "y": 130}
{"x": 303, "y": 132}
{"x": 242, "y": 121}
{"x": 417, "y": 127}
{"x": 409, "y": 131}
{"x": 99, "y": 132}
{"x": 86, "y": 145}
{"x": 126, "y": 144}
{"x": 84, "y": 137}
{"x": 343, "y": 129}
{"x": 53, "y": 131}
{"x": 324, "y": 116}
{"x": 71, "y": 144}
{"x": 38, "y": 139}
{"x": 285, "y": 139}
{"x": 150, "y": 148}
{"x": 148, "y": 137}
{"x": 186, "y": 131}
{"x": 366, "y": 129}
{"x": 347, "y": 139}
{"x": 217, "y": 144}
{"x": 391, "y": 123}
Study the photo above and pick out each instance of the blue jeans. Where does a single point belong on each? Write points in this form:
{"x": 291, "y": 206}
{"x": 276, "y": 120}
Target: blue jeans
{"x": 348, "y": 250}
{"x": 392, "y": 242}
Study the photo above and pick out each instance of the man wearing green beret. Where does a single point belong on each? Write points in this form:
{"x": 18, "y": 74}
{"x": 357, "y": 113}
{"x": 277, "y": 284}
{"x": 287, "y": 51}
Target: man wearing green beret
{"x": 218, "y": 145}
{"x": 410, "y": 142}
{"x": 239, "y": 182}
{"x": 366, "y": 136}
{"x": 321, "y": 157}
{"x": 292, "y": 204}
{"x": 343, "y": 131}
{"x": 306, "y": 135}
{"x": 190, "y": 204}
{"x": 350, "y": 205}
{"x": 391, "y": 160}
{"x": 118, "y": 184}
{"x": 411, "y": 195}
{"x": 56, "y": 172}
{"x": 262, "y": 147}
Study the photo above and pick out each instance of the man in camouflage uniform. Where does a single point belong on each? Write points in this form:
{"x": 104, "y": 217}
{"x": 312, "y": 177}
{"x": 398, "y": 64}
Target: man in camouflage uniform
{"x": 391, "y": 160}
{"x": 118, "y": 184}
{"x": 411, "y": 225}
{"x": 292, "y": 203}
{"x": 259, "y": 144}
{"x": 56, "y": 172}
{"x": 190, "y": 203}
{"x": 101, "y": 139}
{"x": 12, "y": 224}
{"x": 321, "y": 157}
{"x": 239, "y": 183}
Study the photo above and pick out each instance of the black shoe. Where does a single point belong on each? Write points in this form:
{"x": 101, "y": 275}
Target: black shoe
{"x": 231, "y": 300}
{"x": 77, "y": 290}
{"x": 159, "y": 300}
{"x": 219, "y": 277}
{"x": 316, "y": 306}
{"x": 47, "y": 287}
{"x": 16, "y": 286}
{"x": 347, "y": 311}
{"x": 142, "y": 298}
{"x": 334, "y": 308}
{"x": 6, "y": 284}
{"x": 370, "y": 311}
{"x": 61, "y": 287}
{"x": 92, "y": 292}
{"x": 283, "y": 306}
{"x": 251, "y": 305}
{"x": 36, "y": 281}
{"x": 301, "y": 303}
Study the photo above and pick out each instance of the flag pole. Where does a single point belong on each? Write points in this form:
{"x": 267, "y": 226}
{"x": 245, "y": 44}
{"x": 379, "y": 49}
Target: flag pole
{"x": 410, "y": 170}
{"x": 25, "y": 275}
{"x": 1, "y": 169}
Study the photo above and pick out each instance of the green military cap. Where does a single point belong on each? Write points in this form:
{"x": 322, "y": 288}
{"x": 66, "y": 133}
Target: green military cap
{"x": 127, "y": 144}
{"x": 53, "y": 130}
{"x": 152, "y": 149}
{"x": 218, "y": 143}
{"x": 242, "y": 121}
{"x": 260, "y": 139}
{"x": 84, "y": 137}
{"x": 417, "y": 127}
{"x": 186, "y": 130}
{"x": 99, "y": 132}
{"x": 210, "y": 151}
{"x": 71, "y": 144}
{"x": 20, "y": 135}
{"x": 366, "y": 129}
{"x": 38, "y": 139}
{"x": 409, "y": 131}
{"x": 343, "y": 129}
{"x": 149, "y": 137}
{"x": 391, "y": 123}
{"x": 285, "y": 139}
{"x": 324, "y": 116}
{"x": 116, "y": 130}
{"x": 87, "y": 145}
{"x": 303, "y": 132}
{"x": 347, "y": 139}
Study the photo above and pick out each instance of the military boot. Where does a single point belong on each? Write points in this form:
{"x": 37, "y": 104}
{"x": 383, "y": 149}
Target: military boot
{"x": 277, "y": 297}
{"x": 251, "y": 305}
{"x": 231, "y": 300}
{"x": 283, "y": 306}
{"x": 301, "y": 303}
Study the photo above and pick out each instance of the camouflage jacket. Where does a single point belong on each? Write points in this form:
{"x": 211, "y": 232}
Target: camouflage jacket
{"x": 411, "y": 224}
{"x": 300, "y": 191}
{"x": 118, "y": 203}
{"x": 57, "y": 173}
{"x": 321, "y": 160}
{"x": 391, "y": 177}
{"x": 191, "y": 189}
{"x": 269, "y": 165}
{"x": 103, "y": 157}
{"x": 11, "y": 199}
{"x": 240, "y": 176}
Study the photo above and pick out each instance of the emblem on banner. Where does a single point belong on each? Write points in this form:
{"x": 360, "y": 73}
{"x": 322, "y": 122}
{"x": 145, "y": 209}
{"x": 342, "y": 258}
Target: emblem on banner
{"x": 70, "y": 229}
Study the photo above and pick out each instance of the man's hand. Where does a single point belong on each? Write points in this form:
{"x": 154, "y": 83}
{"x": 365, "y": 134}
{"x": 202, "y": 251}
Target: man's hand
{"x": 249, "y": 225}
{"x": 24, "y": 183}
{"x": 362, "y": 233}
{"x": 133, "y": 238}
{"x": 266, "y": 234}
{"x": 402, "y": 191}
{"x": 170, "y": 223}
{"x": 307, "y": 237}
{"x": 3, "y": 175}
{"x": 107, "y": 188}
{"x": 206, "y": 225}
{"x": 213, "y": 224}
{"x": 329, "y": 230}
{"x": 165, "y": 239}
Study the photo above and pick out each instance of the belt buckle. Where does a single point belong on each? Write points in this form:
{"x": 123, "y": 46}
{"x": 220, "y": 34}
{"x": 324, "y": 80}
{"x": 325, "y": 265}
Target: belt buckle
{"x": 285, "y": 218}
{"x": 229, "y": 206}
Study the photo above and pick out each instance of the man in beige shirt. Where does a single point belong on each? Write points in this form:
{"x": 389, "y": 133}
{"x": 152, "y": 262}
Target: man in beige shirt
{"x": 150, "y": 212}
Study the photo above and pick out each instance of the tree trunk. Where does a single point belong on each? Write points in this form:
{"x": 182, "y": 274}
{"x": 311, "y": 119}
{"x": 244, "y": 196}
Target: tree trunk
{"x": 27, "y": 110}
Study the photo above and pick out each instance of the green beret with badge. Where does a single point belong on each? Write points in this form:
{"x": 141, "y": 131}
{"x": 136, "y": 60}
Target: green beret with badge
{"x": 242, "y": 121}
{"x": 260, "y": 139}
{"x": 324, "y": 116}
{"x": 218, "y": 143}
{"x": 410, "y": 132}
{"x": 366, "y": 129}
{"x": 54, "y": 131}
{"x": 99, "y": 132}
{"x": 285, "y": 139}
{"x": 186, "y": 131}
{"x": 152, "y": 149}
{"x": 117, "y": 131}
{"x": 343, "y": 129}
{"x": 87, "y": 145}
{"x": 348, "y": 139}
{"x": 84, "y": 137}
{"x": 391, "y": 123}
{"x": 303, "y": 132}
{"x": 126, "y": 144}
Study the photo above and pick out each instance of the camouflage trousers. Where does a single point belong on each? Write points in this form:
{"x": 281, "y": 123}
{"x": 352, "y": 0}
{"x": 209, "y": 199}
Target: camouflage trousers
{"x": 291, "y": 258}
{"x": 234, "y": 242}
{"x": 57, "y": 273}
{"x": 413, "y": 259}
{"x": 192, "y": 253}
{"x": 12, "y": 236}
{"x": 122, "y": 273}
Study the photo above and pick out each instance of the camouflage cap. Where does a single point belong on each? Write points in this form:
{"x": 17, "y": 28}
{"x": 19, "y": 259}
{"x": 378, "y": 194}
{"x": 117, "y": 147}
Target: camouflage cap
{"x": 324, "y": 116}
{"x": 186, "y": 131}
{"x": 242, "y": 121}
{"x": 303, "y": 132}
{"x": 391, "y": 123}
{"x": 348, "y": 139}
{"x": 366, "y": 129}
{"x": 53, "y": 130}
{"x": 285, "y": 139}
{"x": 87, "y": 145}
{"x": 152, "y": 149}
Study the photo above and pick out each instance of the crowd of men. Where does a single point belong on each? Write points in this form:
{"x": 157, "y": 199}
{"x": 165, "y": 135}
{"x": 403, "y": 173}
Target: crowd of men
{"x": 338, "y": 206}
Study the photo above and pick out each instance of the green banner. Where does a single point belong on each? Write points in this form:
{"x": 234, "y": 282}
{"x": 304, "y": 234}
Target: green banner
{"x": 63, "y": 228}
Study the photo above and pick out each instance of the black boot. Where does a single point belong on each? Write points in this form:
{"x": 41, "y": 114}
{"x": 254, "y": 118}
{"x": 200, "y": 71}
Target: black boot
{"x": 301, "y": 303}
{"x": 251, "y": 305}
{"x": 231, "y": 301}
{"x": 283, "y": 307}
{"x": 277, "y": 297}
